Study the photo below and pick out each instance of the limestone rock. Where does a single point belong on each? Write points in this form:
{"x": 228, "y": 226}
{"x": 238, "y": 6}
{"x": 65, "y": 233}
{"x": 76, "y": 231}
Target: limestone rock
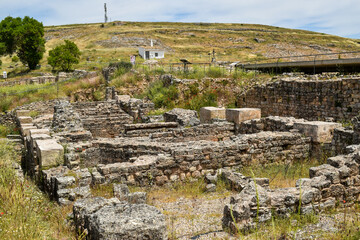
{"x": 184, "y": 117}
{"x": 111, "y": 219}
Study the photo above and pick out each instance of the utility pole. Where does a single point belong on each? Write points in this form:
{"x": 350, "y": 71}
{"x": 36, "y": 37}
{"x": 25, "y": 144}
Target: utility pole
{"x": 106, "y": 17}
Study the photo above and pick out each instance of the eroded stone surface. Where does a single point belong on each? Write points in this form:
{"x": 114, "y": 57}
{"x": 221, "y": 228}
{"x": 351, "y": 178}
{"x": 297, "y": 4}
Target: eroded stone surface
{"x": 320, "y": 132}
{"x": 49, "y": 152}
{"x": 112, "y": 219}
{"x": 207, "y": 114}
{"x": 239, "y": 115}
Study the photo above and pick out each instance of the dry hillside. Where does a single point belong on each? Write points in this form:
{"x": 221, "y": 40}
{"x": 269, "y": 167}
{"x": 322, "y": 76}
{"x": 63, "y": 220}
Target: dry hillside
{"x": 232, "y": 42}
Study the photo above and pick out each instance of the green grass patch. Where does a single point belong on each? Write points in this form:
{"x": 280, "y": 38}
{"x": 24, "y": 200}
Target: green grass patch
{"x": 8, "y": 130}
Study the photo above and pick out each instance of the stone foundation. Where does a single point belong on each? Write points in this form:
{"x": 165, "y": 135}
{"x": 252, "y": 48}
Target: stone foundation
{"x": 309, "y": 99}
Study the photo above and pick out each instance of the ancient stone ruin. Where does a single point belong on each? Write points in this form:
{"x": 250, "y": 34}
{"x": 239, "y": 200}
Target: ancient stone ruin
{"x": 72, "y": 146}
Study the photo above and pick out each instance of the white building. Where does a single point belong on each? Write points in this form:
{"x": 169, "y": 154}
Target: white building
{"x": 151, "y": 52}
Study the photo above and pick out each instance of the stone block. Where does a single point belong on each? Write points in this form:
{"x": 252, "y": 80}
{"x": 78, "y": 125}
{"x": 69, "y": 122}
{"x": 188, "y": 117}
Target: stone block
{"x": 25, "y": 129}
{"x": 23, "y": 113}
{"x": 209, "y": 113}
{"x": 239, "y": 115}
{"x": 36, "y": 137}
{"x": 49, "y": 153}
{"x": 38, "y": 131}
{"x": 320, "y": 132}
{"x": 24, "y": 119}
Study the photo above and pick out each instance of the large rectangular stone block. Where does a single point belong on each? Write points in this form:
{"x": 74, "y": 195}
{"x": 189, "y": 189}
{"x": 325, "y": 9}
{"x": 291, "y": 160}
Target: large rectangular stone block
{"x": 25, "y": 129}
{"x": 23, "y": 113}
{"x": 39, "y": 131}
{"x": 49, "y": 153}
{"x": 209, "y": 113}
{"x": 239, "y": 115}
{"x": 25, "y": 120}
{"x": 32, "y": 141}
{"x": 320, "y": 132}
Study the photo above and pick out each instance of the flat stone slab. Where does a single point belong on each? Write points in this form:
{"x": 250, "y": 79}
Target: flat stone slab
{"x": 151, "y": 125}
{"x": 25, "y": 120}
{"x": 320, "y": 132}
{"x": 49, "y": 152}
{"x": 239, "y": 115}
{"x": 25, "y": 129}
{"x": 112, "y": 219}
{"x": 122, "y": 98}
{"x": 39, "y": 131}
{"x": 209, "y": 113}
{"x": 23, "y": 113}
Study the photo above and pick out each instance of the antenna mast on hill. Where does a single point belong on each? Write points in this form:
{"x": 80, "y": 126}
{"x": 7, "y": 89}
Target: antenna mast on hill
{"x": 106, "y": 17}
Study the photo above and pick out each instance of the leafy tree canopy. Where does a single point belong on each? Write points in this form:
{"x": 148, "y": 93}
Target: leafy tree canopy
{"x": 25, "y": 37}
{"x": 64, "y": 56}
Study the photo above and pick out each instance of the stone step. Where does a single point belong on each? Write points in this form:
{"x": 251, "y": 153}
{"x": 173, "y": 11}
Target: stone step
{"x": 129, "y": 127}
{"x": 14, "y": 137}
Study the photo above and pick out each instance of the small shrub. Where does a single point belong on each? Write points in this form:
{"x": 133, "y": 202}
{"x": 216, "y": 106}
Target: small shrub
{"x": 98, "y": 95}
{"x": 214, "y": 72}
{"x": 15, "y": 59}
{"x": 208, "y": 98}
{"x": 162, "y": 96}
{"x": 7, "y": 130}
{"x": 34, "y": 114}
{"x": 122, "y": 68}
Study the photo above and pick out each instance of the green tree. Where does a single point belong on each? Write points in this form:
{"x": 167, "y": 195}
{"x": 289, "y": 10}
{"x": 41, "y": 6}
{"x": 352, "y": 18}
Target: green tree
{"x": 9, "y": 35}
{"x": 31, "y": 42}
{"x": 64, "y": 56}
{"x": 23, "y": 36}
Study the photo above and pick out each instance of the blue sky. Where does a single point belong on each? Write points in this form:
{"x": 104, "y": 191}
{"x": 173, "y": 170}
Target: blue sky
{"x": 329, "y": 16}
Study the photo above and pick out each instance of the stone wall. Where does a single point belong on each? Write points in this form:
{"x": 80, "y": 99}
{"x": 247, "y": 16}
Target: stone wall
{"x": 171, "y": 132}
{"x": 331, "y": 184}
{"x": 134, "y": 160}
{"x": 42, "y": 107}
{"x": 218, "y": 131}
{"x": 49, "y": 78}
{"x": 6, "y": 119}
{"x": 310, "y": 99}
{"x": 33, "y": 80}
{"x": 102, "y": 119}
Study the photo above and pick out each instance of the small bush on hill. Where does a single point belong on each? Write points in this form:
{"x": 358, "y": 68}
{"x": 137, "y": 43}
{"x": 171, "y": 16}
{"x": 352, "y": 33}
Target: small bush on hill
{"x": 205, "y": 99}
{"x": 15, "y": 59}
{"x": 161, "y": 96}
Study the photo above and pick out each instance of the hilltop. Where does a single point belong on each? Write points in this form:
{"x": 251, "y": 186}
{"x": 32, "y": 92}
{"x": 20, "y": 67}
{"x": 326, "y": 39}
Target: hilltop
{"x": 103, "y": 43}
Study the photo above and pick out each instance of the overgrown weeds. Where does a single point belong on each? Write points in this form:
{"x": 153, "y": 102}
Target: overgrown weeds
{"x": 25, "y": 212}
{"x": 281, "y": 175}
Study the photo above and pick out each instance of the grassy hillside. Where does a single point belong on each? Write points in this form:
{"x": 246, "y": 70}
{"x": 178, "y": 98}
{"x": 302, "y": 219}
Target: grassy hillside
{"x": 101, "y": 43}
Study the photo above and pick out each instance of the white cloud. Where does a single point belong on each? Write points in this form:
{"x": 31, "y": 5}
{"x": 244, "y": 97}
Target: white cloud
{"x": 330, "y": 16}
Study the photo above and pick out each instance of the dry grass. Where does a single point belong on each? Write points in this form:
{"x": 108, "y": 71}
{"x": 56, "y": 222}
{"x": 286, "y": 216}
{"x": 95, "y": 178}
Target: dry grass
{"x": 281, "y": 175}
{"x": 193, "y": 41}
{"x": 25, "y": 212}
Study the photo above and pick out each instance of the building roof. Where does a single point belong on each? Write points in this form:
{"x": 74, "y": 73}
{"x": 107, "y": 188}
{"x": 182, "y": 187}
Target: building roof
{"x": 153, "y": 48}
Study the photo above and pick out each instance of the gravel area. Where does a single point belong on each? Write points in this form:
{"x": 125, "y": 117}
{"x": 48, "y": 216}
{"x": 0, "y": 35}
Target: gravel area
{"x": 200, "y": 218}
{"x": 197, "y": 218}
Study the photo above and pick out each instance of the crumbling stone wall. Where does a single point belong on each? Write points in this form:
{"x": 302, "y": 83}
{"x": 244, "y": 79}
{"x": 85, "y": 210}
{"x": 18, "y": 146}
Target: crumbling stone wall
{"x": 142, "y": 160}
{"x": 49, "y": 78}
{"x": 42, "y": 107}
{"x": 310, "y": 99}
{"x": 102, "y": 119}
{"x": 6, "y": 118}
{"x": 336, "y": 182}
